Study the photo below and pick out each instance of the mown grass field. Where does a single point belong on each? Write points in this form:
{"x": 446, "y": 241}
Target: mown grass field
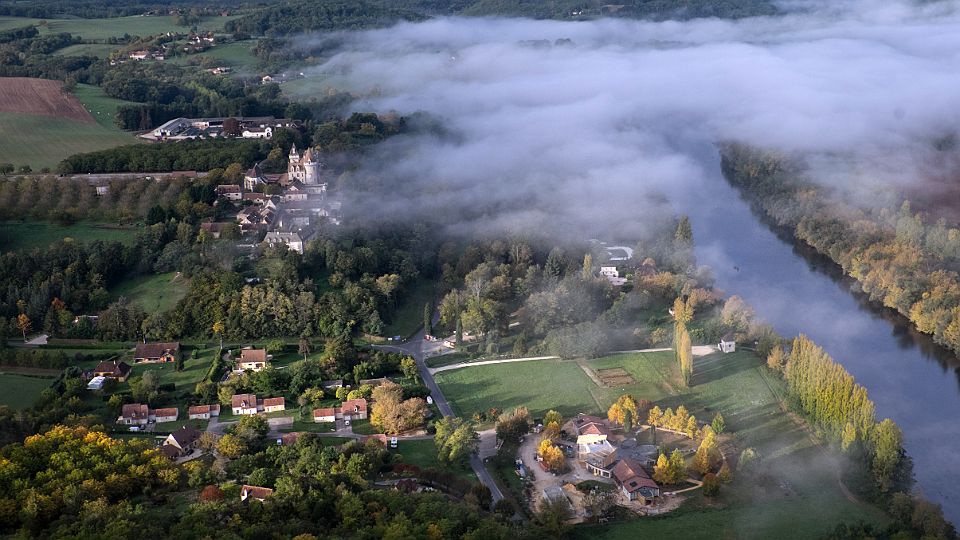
{"x": 236, "y": 55}
{"x": 101, "y": 107}
{"x": 101, "y": 29}
{"x": 43, "y": 141}
{"x": 16, "y": 235}
{"x": 795, "y": 492}
{"x": 158, "y": 292}
{"x": 19, "y": 391}
{"x": 100, "y": 50}
{"x": 423, "y": 454}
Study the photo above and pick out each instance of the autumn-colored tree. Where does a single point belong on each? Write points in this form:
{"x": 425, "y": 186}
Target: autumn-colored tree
{"x": 552, "y": 456}
{"x": 393, "y": 414}
{"x": 211, "y": 494}
{"x": 776, "y": 359}
{"x": 888, "y": 451}
{"x": 684, "y": 352}
{"x": 848, "y": 437}
{"x": 511, "y": 426}
{"x": 682, "y": 311}
{"x": 655, "y": 416}
{"x": 692, "y": 429}
{"x": 24, "y": 324}
{"x": 231, "y": 446}
{"x": 551, "y": 417}
{"x": 706, "y": 454}
{"x": 624, "y": 412}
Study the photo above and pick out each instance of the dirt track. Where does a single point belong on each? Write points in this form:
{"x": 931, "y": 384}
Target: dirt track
{"x": 41, "y": 97}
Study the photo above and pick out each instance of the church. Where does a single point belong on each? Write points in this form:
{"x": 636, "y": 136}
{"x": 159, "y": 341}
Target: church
{"x": 305, "y": 169}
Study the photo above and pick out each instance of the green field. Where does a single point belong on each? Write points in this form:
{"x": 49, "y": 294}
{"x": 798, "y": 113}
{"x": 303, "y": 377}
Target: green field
{"x": 100, "y": 50}
{"x": 19, "y": 391}
{"x": 102, "y": 107}
{"x": 409, "y": 316}
{"x": 157, "y": 292}
{"x": 44, "y": 141}
{"x": 33, "y": 234}
{"x": 423, "y": 454}
{"x": 101, "y": 29}
{"x": 796, "y": 493}
{"x": 236, "y": 55}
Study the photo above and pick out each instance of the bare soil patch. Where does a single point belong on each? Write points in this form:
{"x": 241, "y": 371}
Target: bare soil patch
{"x": 41, "y": 97}
{"x": 615, "y": 377}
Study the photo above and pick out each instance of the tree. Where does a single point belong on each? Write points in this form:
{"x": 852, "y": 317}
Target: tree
{"x": 684, "y": 232}
{"x": 455, "y": 439}
{"x": 552, "y": 456}
{"x": 849, "y": 437}
{"x": 231, "y": 446}
{"x": 218, "y": 329}
{"x": 624, "y": 412}
{"x": 511, "y": 427}
{"x": 718, "y": 424}
{"x": 587, "y": 272}
{"x": 661, "y": 471}
{"x": 552, "y": 417}
{"x": 706, "y": 454}
{"x": 146, "y": 387}
{"x": 711, "y": 485}
{"x": 303, "y": 347}
{"x": 684, "y": 351}
{"x": 655, "y": 417}
{"x": 887, "y": 453}
{"x": 252, "y": 428}
{"x": 408, "y": 366}
{"x": 776, "y": 359}
{"x": 392, "y": 414}
{"x": 428, "y": 319}
{"x": 24, "y": 324}
{"x": 6, "y": 168}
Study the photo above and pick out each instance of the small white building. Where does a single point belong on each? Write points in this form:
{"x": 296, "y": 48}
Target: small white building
{"x": 609, "y": 271}
{"x": 293, "y": 240}
{"x": 727, "y": 344}
{"x": 96, "y": 383}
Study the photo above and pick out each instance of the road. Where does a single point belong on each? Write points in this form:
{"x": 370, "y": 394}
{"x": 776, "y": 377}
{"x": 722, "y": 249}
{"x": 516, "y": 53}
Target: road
{"x": 414, "y": 348}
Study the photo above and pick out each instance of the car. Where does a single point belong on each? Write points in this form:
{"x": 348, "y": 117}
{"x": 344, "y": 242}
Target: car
{"x": 346, "y": 422}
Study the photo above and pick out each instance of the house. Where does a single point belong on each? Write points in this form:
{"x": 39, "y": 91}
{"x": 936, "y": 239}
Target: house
{"x": 257, "y": 133}
{"x": 112, "y": 369}
{"x": 295, "y": 192}
{"x": 593, "y": 448}
{"x": 184, "y": 440}
{"x": 230, "y": 192}
{"x": 254, "y": 217}
{"x": 253, "y": 178}
{"x": 274, "y": 404}
{"x": 203, "y": 412}
{"x": 253, "y": 359}
{"x": 634, "y": 482}
{"x": 214, "y": 229}
{"x": 293, "y": 240}
{"x": 254, "y": 493}
{"x": 609, "y": 271}
{"x": 583, "y": 422}
{"x": 354, "y": 409}
{"x": 165, "y": 415}
{"x": 728, "y": 344}
{"x": 156, "y": 352}
{"x": 134, "y": 414}
{"x": 325, "y": 415}
{"x": 244, "y": 403}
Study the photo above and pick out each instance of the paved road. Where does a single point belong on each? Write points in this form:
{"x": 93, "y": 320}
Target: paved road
{"x": 414, "y": 347}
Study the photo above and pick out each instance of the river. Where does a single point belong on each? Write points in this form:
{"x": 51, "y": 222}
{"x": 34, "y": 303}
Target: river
{"x": 911, "y": 379}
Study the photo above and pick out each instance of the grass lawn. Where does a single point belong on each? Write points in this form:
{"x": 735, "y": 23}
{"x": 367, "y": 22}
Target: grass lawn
{"x": 101, "y": 29}
{"x": 159, "y": 292}
{"x": 539, "y": 385}
{"x": 409, "y": 316}
{"x": 33, "y": 234}
{"x": 313, "y": 427}
{"x": 447, "y": 359}
{"x": 101, "y": 107}
{"x": 236, "y": 55}
{"x": 19, "y": 391}
{"x": 100, "y": 50}
{"x": 796, "y": 493}
{"x": 363, "y": 427}
{"x": 423, "y": 454}
{"x": 44, "y": 141}
{"x": 193, "y": 371}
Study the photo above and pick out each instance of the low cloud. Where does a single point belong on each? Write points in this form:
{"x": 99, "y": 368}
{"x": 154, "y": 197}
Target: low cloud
{"x": 582, "y": 128}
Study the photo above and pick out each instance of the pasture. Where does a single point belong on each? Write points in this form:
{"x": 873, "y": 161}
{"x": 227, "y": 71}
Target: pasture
{"x": 16, "y": 235}
{"x": 236, "y": 55}
{"x": 408, "y": 317}
{"x": 101, "y": 29}
{"x": 155, "y": 292}
{"x": 20, "y": 391}
{"x": 100, "y": 50}
{"x": 423, "y": 454}
{"x": 40, "y": 125}
{"x": 797, "y": 479}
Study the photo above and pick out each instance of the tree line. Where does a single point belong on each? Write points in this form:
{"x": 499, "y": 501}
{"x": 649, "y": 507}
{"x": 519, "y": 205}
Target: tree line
{"x": 899, "y": 258}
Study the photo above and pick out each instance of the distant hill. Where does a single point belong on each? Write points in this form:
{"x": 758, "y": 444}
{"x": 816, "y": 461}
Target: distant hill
{"x": 294, "y": 16}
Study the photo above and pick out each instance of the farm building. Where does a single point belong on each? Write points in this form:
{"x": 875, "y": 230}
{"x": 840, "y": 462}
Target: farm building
{"x": 156, "y": 352}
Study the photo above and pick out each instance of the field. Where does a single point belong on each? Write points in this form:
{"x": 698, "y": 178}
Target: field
{"x": 159, "y": 292}
{"x": 797, "y": 481}
{"x": 100, "y": 50}
{"x": 423, "y": 454}
{"x": 101, "y": 107}
{"x": 32, "y": 234}
{"x": 19, "y": 391}
{"x": 101, "y": 29}
{"x": 40, "y": 96}
{"x": 236, "y": 55}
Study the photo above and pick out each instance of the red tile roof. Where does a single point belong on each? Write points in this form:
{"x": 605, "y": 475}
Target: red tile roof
{"x": 274, "y": 401}
{"x": 135, "y": 411}
{"x": 253, "y": 355}
{"x": 156, "y": 350}
{"x": 319, "y": 413}
{"x": 631, "y": 475}
{"x": 171, "y": 411}
{"x": 352, "y": 405}
{"x": 246, "y": 401}
{"x": 256, "y": 492}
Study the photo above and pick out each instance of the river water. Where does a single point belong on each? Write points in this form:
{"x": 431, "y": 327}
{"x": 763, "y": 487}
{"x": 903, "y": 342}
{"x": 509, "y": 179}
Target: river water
{"x": 911, "y": 380}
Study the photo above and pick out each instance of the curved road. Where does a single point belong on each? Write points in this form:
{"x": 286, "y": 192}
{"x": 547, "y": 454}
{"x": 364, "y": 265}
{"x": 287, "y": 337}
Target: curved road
{"x": 414, "y": 348}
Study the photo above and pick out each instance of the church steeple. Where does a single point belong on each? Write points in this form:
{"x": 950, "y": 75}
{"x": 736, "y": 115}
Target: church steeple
{"x": 294, "y": 155}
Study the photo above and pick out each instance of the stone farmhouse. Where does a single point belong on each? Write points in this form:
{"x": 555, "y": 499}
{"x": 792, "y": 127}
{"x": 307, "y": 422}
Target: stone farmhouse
{"x": 156, "y": 352}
